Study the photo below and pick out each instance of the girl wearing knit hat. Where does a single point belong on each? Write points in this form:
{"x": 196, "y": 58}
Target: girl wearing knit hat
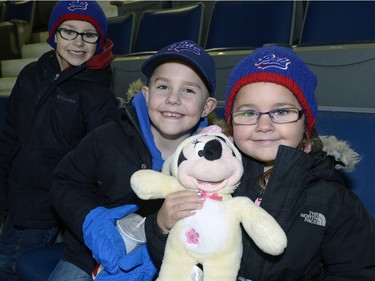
{"x": 271, "y": 113}
{"x": 55, "y": 102}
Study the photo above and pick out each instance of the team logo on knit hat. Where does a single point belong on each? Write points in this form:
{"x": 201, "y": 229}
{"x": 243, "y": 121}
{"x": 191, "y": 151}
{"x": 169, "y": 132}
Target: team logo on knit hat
{"x": 78, "y": 5}
{"x": 271, "y": 60}
{"x": 185, "y": 46}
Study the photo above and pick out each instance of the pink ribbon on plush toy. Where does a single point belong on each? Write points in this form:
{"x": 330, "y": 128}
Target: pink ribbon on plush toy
{"x": 214, "y": 196}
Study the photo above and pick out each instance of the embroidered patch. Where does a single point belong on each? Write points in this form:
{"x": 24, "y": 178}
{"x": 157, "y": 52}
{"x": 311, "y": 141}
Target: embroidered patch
{"x": 314, "y": 218}
{"x": 272, "y": 60}
{"x": 78, "y": 5}
{"x": 192, "y": 236}
{"x": 185, "y": 46}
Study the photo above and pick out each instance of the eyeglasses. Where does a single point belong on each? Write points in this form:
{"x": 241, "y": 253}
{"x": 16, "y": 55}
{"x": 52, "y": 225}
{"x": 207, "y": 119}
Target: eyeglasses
{"x": 278, "y": 116}
{"x": 69, "y": 34}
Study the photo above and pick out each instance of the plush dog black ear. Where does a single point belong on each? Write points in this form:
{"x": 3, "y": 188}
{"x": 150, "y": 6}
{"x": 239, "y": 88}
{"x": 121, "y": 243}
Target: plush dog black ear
{"x": 181, "y": 158}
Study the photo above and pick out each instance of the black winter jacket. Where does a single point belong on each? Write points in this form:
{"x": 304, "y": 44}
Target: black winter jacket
{"x": 331, "y": 236}
{"x": 97, "y": 173}
{"x": 47, "y": 114}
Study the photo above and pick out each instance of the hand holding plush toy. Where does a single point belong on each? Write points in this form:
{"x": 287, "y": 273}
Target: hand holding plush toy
{"x": 211, "y": 164}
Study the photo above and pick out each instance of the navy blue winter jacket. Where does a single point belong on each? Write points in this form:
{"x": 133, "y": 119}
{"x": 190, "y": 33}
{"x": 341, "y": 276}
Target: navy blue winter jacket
{"x": 47, "y": 114}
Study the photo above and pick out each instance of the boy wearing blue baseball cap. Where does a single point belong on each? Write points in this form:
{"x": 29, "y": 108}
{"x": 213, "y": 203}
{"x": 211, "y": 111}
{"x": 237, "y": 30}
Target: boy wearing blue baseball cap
{"x": 91, "y": 185}
{"x": 55, "y": 102}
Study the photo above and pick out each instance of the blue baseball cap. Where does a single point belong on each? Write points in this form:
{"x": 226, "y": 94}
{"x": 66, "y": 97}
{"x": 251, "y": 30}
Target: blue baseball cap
{"x": 189, "y": 52}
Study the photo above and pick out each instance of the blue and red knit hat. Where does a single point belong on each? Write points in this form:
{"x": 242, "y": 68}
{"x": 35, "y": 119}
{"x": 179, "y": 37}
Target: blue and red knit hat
{"x": 279, "y": 65}
{"x": 89, "y": 11}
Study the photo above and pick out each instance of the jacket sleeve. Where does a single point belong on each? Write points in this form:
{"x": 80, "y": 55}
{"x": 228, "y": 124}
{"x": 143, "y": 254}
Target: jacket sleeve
{"x": 349, "y": 246}
{"x": 8, "y": 140}
{"x": 156, "y": 241}
{"x": 73, "y": 185}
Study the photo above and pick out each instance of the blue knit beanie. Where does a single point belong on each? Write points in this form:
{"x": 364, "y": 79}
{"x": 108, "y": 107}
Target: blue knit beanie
{"x": 89, "y": 11}
{"x": 278, "y": 65}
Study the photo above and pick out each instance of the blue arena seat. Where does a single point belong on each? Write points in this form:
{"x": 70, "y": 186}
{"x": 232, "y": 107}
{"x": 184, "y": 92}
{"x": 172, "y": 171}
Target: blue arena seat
{"x": 338, "y": 22}
{"x": 120, "y": 31}
{"x": 250, "y": 24}
{"x": 21, "y": 10}
{"x": 158, "y": 28}
{"x": 21, "y": 14}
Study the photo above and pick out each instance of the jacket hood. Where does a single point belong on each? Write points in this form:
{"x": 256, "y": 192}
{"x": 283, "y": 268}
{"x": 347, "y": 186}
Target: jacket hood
{"x": 103, "y": 59}
{"x": 345, "y": 157}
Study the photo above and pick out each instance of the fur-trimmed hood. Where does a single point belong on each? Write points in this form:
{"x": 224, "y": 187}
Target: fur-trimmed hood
{"x": 341, "y": 151}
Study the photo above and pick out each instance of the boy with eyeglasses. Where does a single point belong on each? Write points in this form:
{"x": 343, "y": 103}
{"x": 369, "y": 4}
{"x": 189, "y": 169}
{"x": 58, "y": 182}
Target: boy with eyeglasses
{"x": 55, "y": 102}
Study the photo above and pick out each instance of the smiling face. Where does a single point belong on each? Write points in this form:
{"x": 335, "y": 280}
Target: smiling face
{"x": 77, "y": 51}
{"x": 177, "y": 99}
{"x": 262, "y": 140}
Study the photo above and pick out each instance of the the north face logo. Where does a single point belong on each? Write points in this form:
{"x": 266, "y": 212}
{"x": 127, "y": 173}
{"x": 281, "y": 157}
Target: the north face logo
{"x": 314, "y": 218}
{"x": 242, "y": 279}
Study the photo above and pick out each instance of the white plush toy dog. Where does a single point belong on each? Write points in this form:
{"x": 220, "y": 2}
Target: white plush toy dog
{"x": 209, "y": 163}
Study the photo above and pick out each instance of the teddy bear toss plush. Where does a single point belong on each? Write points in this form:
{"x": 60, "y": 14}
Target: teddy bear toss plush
{"x": 210, "y": 164}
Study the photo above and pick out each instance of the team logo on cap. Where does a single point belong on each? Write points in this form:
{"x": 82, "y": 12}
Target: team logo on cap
{"x": 271, "y": 60}
{"x": 78, "y": 5}
{"x": 185, "y": 46}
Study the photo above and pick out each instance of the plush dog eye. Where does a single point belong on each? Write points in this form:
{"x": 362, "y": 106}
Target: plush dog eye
{"x": 199, "y": 146}
{"x": 200, "y": 153}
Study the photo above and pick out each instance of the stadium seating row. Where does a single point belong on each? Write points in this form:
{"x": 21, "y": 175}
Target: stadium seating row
{"x": 149, "y": 27}
{"x": 250, "y": 24}
{"x": 142, "y": 26}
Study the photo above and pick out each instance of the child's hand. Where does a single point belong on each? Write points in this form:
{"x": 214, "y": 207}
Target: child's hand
{"x": 176, "y": 206}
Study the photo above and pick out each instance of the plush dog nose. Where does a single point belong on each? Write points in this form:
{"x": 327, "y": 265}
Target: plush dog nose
{"x": 212, "y": 150}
